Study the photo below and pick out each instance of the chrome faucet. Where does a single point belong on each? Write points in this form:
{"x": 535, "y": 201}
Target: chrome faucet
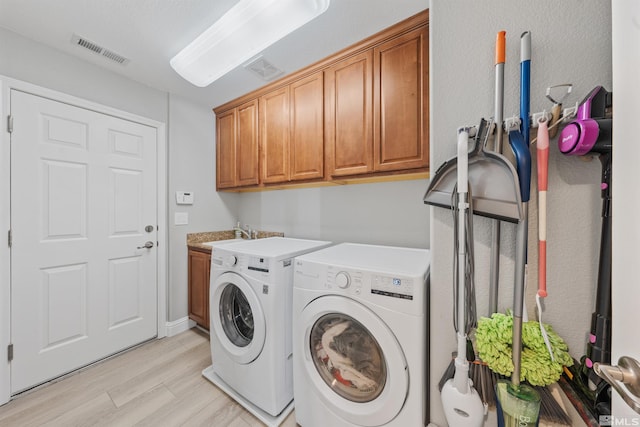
{"x": 247, "y": 231}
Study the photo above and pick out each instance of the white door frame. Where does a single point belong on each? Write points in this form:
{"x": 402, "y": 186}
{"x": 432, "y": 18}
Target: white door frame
{"x": 6, "y": 84}
{"x": 625, "y": 201}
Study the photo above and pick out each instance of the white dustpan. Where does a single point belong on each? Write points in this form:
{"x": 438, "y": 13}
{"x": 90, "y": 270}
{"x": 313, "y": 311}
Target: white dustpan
{"x": 492, "y": 179}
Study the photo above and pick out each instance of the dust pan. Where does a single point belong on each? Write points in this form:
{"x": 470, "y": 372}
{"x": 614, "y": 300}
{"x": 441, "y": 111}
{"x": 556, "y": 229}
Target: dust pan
{"x": 493, "y": 182}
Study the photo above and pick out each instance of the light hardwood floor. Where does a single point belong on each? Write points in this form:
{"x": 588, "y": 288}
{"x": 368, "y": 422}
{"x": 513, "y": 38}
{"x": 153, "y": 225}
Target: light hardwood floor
{"x": 156, "y": 384}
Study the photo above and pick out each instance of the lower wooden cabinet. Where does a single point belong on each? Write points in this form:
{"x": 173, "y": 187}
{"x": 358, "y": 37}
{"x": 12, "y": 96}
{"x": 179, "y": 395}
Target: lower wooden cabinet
{"x": 199, "y": 273}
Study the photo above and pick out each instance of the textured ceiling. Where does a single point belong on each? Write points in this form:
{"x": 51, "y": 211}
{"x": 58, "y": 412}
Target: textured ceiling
{"x": 150, "y": 32}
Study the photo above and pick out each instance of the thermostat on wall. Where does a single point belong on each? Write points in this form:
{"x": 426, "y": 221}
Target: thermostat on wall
{"x": 184, "y": 197}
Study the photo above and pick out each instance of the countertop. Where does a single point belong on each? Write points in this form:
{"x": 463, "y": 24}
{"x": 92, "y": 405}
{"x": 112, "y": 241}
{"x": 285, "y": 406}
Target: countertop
{"x": 197, "y": 240}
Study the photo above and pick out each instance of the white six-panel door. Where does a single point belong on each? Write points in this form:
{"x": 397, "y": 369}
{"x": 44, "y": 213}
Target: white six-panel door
{"x": 83, "y": 191}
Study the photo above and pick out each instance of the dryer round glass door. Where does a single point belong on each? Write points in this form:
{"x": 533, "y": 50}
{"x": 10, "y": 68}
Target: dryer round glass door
{"x": 240, "y": 328}
{"x": 353, "y": 361}
{"x": 348, "y": 358}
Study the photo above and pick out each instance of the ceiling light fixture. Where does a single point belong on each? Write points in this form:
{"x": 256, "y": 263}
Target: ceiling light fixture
{"x": 246, "y": 29}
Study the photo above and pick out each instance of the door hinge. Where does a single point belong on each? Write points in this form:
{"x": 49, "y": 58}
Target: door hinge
{"x": 9, "y": 238}
{"x": 9, "y": 124}
{"x": 10, "y": 352}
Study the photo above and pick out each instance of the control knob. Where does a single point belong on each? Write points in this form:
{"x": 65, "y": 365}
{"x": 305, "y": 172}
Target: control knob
{"x": 229, "y": 260}
{"x": 343, "y": 280}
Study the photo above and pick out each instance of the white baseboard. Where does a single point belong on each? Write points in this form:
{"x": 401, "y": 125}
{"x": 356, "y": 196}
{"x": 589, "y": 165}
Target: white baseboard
{"x": 180, "y": 325}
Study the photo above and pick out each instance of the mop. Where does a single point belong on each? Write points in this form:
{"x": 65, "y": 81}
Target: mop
{"x": 520, "y": 403}
{"x": 461, "y": 402}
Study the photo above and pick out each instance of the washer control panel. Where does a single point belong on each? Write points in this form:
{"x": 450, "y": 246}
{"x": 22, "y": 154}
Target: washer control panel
{"x": 257, "y": 263}
{"x": 229, "y": 260}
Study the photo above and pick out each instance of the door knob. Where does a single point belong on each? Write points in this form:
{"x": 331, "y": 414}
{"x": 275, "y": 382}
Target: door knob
{"x": 147, "y": 245}
{"x": 624, "y": 378}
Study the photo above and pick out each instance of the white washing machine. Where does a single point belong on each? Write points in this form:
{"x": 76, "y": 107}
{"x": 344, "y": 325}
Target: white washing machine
{"x": 360, "y": 336}
{"x": 250, "y": 322}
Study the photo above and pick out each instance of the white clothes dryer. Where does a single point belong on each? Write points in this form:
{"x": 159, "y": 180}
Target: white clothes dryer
{"x": 250, "y": 323}
{"x": 360, "y": 336}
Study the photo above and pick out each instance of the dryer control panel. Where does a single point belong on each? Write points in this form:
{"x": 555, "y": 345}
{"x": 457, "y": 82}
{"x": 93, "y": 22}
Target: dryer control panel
{"x": 390, "y": 286}
{"x": 390, "y": 277}
{"x": 378, "y": 284}
{"x": 349, "y": 280}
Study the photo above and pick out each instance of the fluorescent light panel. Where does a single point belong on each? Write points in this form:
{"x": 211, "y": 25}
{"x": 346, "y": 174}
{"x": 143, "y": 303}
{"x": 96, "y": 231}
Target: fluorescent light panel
{"x": 244, "y": 31}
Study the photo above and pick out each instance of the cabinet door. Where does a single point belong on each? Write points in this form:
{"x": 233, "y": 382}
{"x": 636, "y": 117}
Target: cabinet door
{"x": 226, "y": 149}
{"x": 247, "y": 144}
{"x": 274, "y": 136}
{"x": 401, "y": 102}
{"x": 199, "y": 269}
{"x": 307, "y": 128}
{"x": 349, "y": 115}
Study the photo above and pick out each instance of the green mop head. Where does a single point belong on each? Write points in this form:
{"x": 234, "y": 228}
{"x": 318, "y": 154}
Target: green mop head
{"x": 494, "y": 339}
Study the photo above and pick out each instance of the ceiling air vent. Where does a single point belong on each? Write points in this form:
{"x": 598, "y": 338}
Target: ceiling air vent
{"x": 263, "y": 68}
{"x": 99, "y": 50}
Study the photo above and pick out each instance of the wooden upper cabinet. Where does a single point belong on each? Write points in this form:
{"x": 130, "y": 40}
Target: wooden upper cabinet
{"x": 401, "y": 102}
{"x": 361, "y": 113}
{"x": 237, "y": 146}
{"x": 247, "y": 144}
{"x": 376, "y": 107}
{"x": 292, "y": 131}
{"x": 307, "y": 128}
{"x": 349, "y": 116}
{"x": 226, "y": 149}
{"x": 274, "y": 135}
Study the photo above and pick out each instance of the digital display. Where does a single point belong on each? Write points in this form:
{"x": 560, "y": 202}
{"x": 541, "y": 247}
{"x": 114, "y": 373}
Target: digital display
{"x": 258, "y": 264}
{"x": 392, "y": 286}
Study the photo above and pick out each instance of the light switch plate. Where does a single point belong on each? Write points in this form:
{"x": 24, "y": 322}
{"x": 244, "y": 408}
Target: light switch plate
{"x": 181, "y": 218}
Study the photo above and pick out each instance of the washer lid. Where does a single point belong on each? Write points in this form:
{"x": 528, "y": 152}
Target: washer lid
{"x": 275, "y": 247}
{"x": 352, "y": 361}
